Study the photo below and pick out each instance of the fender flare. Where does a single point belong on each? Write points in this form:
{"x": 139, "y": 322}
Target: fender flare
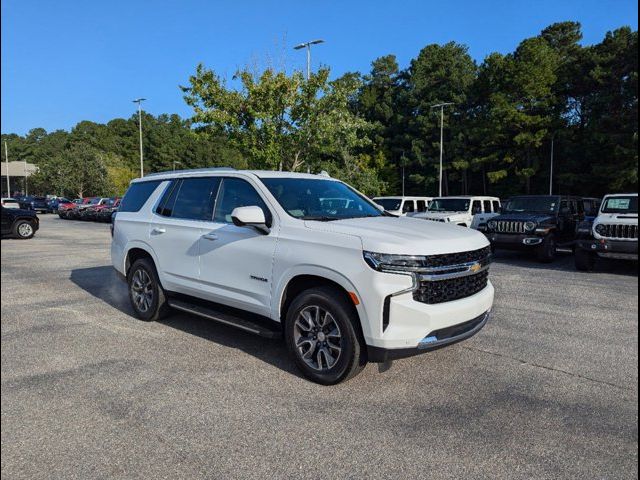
{"x": 318, "y": 271}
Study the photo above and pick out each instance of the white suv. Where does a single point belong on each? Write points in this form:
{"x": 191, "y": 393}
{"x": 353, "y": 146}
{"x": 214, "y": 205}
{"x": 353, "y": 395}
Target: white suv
{"x": 344, "y": 282}
{"x": 403, "y": 205}
{"x": 472, "y": 212}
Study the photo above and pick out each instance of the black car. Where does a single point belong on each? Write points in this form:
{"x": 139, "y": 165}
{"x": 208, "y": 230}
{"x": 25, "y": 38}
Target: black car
{"x": 537, "y": 223}
{"x": 19, "y": 223}
{"x": 37, "y": 204}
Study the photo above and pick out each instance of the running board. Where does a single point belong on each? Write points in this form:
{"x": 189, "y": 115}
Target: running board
{"x": 257, "y": 327}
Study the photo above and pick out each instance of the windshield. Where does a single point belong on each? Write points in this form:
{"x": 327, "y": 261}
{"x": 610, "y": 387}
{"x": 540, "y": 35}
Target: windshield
{"x": 531, "y": 204}
{"x": 95, "y": 201}
{"x": 315, "y": 199}
{"x": 620, "y": 205}
{"x": 389, "y": 203}
{"x": 449, "y": 205}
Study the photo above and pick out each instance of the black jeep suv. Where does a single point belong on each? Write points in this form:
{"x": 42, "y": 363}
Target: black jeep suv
{"x": 537, "y": 223}
{"x": 19, "y": 223}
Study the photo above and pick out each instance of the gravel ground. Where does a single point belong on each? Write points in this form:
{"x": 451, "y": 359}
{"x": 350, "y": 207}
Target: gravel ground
{"x": 549, "y": 389}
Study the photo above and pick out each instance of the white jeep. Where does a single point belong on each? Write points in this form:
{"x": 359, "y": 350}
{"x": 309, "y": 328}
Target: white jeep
{"x": 341, "y": 280}
{"x": 613, "y": 234}
{"x": 404, "y": 205}
{"x": 472, "y": 212}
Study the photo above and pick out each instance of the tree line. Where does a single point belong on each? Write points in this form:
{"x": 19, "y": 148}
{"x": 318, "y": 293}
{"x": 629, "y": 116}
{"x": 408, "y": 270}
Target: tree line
{"x": 375, "y": 129}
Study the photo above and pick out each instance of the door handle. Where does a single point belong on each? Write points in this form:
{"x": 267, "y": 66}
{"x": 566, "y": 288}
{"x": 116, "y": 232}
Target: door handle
{"x": 210, "y": 236}
{"x": 158, "y": 231}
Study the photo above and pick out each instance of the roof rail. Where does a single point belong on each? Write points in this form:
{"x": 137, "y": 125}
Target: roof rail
{"x": 192, "y": 170}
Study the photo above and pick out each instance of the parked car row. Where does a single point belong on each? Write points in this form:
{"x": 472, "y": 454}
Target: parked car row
{"x": 95, "y": 209}
{"x": 539, "y": 224}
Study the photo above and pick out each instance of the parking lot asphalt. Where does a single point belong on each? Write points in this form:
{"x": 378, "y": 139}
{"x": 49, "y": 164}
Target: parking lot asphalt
{"x": 549, "y": 389}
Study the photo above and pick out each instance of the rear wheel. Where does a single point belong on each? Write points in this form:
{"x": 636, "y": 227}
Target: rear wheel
{"x": 322, "y": 336}
{"x": 145, "y": 292}
{"x": 24, "y": 229}
{"x": 547, "y": 250}
{"x": 585, "y": 260}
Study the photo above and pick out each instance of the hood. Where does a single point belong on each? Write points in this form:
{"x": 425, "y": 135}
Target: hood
{"x": 618, "y": 218}
{"x": 525, "y": 217}
{"x": 22, "y": 211}
{"x": 405, "y": 235}
{"x": 452, "y": 216}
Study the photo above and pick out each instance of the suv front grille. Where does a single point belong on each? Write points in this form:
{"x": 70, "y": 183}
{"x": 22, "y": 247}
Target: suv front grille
{"x": 505, "y": 226}
{"x": 450, "y": 290}
{"x": 451, "y": 259}
{"x": 433, "y": 290}
{"x": 621, "y": 231}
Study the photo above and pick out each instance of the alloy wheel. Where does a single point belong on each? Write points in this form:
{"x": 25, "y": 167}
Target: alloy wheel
{"x": 317, "y": 338}
{"x": 25, "y": 229}
{"x": 142, "y": 290}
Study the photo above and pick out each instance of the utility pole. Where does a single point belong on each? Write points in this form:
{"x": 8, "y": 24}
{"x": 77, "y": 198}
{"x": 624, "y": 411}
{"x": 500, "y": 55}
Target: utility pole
{"x": 403, "y": 161}
{"x": 26, "y": 188}
{"x": 551, "y": 171}
{"x": 441, "y": 107}
{"x": 6, "y": 157}
{"x": 307, "y": 45}
{"x": 139, "y": 102}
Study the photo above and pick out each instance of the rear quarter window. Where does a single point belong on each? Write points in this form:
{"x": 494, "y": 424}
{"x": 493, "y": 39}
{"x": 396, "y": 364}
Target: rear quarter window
{"x": 137, "y": 194}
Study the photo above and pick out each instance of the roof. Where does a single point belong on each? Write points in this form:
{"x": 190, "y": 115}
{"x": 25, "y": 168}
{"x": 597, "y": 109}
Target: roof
{"x": 18, "y": 169}
{"x": 468, "y": 197}
{"x": 621, "y": 195}
{"x": 407, "y": 197}
{"x": 222, "y": 170}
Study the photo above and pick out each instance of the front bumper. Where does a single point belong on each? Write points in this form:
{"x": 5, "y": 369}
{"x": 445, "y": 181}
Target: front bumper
{"x": 435, "y": 340}
{"x": 616, "y": 249}
{"x": 513, "y": 241}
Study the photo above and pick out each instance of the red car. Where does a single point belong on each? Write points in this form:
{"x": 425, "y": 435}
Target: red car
{"x": 66, "y": 210}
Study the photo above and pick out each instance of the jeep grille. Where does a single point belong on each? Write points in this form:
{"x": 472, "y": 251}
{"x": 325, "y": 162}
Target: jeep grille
{"x": 504, "y": 226}
{"x": 621, "y": 231}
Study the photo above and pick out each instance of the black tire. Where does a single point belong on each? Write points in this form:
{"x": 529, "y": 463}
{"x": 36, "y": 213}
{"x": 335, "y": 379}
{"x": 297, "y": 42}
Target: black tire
{"x": 157, "y": 308}
{"x": 546, "y": 252}
{"x": 352, "y": 356}
{"x": 24, "y": 229}
{"x": 585, "y": 260}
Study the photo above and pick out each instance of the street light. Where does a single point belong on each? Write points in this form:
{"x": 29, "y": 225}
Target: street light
{"x": 441, "y": 107}
{"x": 139, "y": 102}
{"x": 175, "y": 162}
{"x": 307, "y": 45}
{"x": 6, "y": 157}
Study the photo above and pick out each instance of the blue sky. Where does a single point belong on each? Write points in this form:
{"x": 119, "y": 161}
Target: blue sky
{"x": 67, "y": 61}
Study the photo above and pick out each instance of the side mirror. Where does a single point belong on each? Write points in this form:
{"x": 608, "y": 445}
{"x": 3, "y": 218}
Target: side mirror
{"x": 250, "y": 217}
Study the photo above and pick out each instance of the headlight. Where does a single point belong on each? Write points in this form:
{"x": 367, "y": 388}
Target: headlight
{"x": 530, "y": 226}
{"x": 492, "y": 224}
{"x": 394, "y": 263}
{"x": 601, "y": 229}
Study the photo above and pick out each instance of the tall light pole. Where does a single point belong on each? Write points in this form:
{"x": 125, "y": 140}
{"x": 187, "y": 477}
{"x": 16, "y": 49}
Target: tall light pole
{"x": 307, "y": 45}
{"x": 551, "y": 169}
{"x": 139, "y": 102}
{"x": 441, "y": 107}
{"x": 6, "y": 157}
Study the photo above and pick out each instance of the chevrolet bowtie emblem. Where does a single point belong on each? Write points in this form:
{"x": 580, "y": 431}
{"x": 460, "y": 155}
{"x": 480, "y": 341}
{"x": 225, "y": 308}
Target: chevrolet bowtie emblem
{"x": 475, "y": 268}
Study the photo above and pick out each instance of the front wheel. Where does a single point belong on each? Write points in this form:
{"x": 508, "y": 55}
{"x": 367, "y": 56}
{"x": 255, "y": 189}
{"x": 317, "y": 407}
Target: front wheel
{"x": 24, "y": 229}
{"x": 145, "y": 292}
{"x": 585, "y": 260}
{"x": 547, "y": 250}
{"x": 322, "y": 335}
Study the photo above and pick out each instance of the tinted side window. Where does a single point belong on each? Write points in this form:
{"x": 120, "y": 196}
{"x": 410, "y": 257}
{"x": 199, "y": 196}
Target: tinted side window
{"x": 165, "y": 207}
{"x": 496, "y": 206}
{"x": 235, "y": 192}
{"x": 195, "y": 198}
{"x": 476, "y": 207}
{"x": 137, "y": 194}
{"x": 487, "y": 206}
{"x": 408, "y": 206}
{"x": 422, "y": 205}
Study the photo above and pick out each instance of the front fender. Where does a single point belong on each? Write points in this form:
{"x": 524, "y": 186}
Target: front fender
{"x": 319, "y": 271}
